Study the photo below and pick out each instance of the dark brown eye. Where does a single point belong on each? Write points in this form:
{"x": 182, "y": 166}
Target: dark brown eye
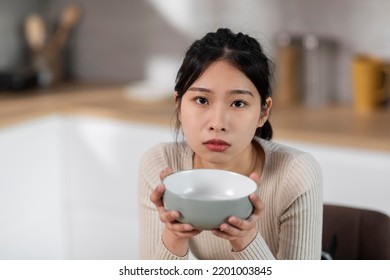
{"x": 201, "y": 100}
{"x": 238, "y": 104}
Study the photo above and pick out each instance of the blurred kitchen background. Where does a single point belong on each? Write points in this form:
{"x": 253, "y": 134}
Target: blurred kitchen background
{"x": 126, "y": 41}
{"x": 85, "y": 89}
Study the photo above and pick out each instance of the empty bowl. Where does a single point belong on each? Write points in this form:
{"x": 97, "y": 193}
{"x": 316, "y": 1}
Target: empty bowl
{"x": 206, "y": 198}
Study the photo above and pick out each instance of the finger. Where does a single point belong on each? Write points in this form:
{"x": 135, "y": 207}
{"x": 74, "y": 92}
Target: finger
{"x": 255, "y": 177}
{"x": 258, "y": 207}
{"x": 231, "y": 227}
{"x": 226, "y": 231}
{"x": 220, "y": 234}
{"x": 258, "y": 204}
{"x": 179, "y": 227}
{"x": 239, "y": 224}
{"x": 182, "y": 230}
{"x": 187, "y": 234}
{"x": 165, "y": 172}
{"x": 168, "y": 216}
{"x": 157, "y": 194}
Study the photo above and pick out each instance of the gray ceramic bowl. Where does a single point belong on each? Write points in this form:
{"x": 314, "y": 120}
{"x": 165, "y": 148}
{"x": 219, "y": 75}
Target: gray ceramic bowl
{"x": 207, "y": 197}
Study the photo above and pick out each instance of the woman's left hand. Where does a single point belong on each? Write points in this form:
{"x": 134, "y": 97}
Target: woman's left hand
{"x": 241, "y": 232}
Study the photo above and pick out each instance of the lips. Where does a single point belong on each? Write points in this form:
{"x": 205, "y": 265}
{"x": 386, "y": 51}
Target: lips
{"x": 216, "y": 145}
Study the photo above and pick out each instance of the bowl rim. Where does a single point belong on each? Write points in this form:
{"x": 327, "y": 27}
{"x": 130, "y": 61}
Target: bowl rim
{"x": 212, "y": 170}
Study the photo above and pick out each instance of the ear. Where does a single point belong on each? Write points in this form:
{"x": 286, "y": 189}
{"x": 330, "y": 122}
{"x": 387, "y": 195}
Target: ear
{"x": 265, "y": 110}
{"x": 178, "y": 103}
{"x": 175, "y": 96}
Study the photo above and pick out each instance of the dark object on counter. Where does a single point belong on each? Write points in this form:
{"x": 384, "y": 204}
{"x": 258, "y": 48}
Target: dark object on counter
{"x": 17, "y": 81}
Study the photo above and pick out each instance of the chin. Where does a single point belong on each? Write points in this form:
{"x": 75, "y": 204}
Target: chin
{"x": 216, "y": 158}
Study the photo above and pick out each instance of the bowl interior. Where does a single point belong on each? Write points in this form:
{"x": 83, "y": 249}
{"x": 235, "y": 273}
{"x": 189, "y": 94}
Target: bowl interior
{"x": 209, "y": 184}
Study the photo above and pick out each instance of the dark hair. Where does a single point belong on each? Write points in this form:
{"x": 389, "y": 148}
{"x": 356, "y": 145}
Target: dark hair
{"x": 242, "y": 51}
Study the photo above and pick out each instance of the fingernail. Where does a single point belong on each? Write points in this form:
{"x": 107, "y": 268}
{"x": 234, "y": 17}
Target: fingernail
{"x": 188, "y": 227}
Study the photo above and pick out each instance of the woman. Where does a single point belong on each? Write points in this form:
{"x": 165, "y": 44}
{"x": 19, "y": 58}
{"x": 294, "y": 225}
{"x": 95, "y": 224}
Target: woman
{"x": 223, "y": 101}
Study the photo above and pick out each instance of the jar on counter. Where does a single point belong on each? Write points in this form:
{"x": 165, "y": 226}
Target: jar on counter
{"x": 306, "y": 70}
{"x": 320, "y": 70}
{"x": 289, "y": 80}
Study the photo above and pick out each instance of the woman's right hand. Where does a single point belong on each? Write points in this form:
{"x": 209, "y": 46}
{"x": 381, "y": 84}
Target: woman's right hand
{"x": 175, "y": 234}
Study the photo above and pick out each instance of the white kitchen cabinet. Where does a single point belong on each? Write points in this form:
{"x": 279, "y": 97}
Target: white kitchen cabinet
{"x": 352, "y": 177}
{"x": 31, "y": 205}
{"x": 68, "y": 187}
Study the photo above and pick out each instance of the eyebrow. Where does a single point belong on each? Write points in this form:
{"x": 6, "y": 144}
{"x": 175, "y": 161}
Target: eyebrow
{"x": 234, "y": 91}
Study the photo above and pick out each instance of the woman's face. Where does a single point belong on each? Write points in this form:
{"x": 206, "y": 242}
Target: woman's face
{"x": 219, "y": 114}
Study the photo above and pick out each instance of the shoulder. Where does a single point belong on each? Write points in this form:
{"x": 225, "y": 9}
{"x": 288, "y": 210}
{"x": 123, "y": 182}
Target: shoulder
{"x": 177, "y": 156}
{"x": 156, "y": 155}
{"x": 153, "y": 161}
{"x": 287, "y": 155}
{"x": 163, "y": 155}
{"x": 296, "y": 168}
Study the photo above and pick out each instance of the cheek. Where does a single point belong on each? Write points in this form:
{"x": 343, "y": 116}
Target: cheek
{"x": 248, "y": 125}
{"x": 252, "y": 119}
{"x": 190, "y": 121}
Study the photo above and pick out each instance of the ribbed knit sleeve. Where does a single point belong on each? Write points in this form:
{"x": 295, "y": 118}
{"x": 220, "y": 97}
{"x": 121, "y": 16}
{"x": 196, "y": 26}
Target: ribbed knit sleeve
{"x": 301, "y": 210}
{"x": 151, "y": 246}
{"x": 256, "y": 250}
{"x": 298, "y": 210}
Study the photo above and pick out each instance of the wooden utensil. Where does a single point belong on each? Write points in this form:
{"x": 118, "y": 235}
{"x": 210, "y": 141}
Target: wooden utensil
{"x": 35, "y": 32}
{"x": 69, "y": 17}
{"x": 47, "y": 57}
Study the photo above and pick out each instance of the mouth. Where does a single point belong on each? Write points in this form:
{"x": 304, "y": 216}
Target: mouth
{"x": 216, "y": 145}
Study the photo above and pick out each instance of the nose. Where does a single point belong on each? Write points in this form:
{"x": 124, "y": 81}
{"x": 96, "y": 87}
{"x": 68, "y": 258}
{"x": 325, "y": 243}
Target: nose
{"x": 218, "y": 119}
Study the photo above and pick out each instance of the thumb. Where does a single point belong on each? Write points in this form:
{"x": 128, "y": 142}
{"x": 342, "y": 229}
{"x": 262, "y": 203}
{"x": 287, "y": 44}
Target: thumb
{"x": 255, "y": 177}
{"x": 165, "y": 172}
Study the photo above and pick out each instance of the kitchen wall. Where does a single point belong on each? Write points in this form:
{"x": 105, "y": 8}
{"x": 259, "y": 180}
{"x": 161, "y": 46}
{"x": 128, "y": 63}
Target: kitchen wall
{"x": 116, "y": 41}
{"x": 12, "y": 14}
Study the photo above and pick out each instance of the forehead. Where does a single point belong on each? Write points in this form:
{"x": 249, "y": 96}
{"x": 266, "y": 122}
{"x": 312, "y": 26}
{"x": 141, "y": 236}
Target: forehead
{"x": 223, "y": 73}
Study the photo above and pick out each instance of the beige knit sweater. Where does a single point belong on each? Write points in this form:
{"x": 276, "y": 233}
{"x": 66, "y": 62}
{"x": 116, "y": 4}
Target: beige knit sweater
{"x": 289, "y": 228}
